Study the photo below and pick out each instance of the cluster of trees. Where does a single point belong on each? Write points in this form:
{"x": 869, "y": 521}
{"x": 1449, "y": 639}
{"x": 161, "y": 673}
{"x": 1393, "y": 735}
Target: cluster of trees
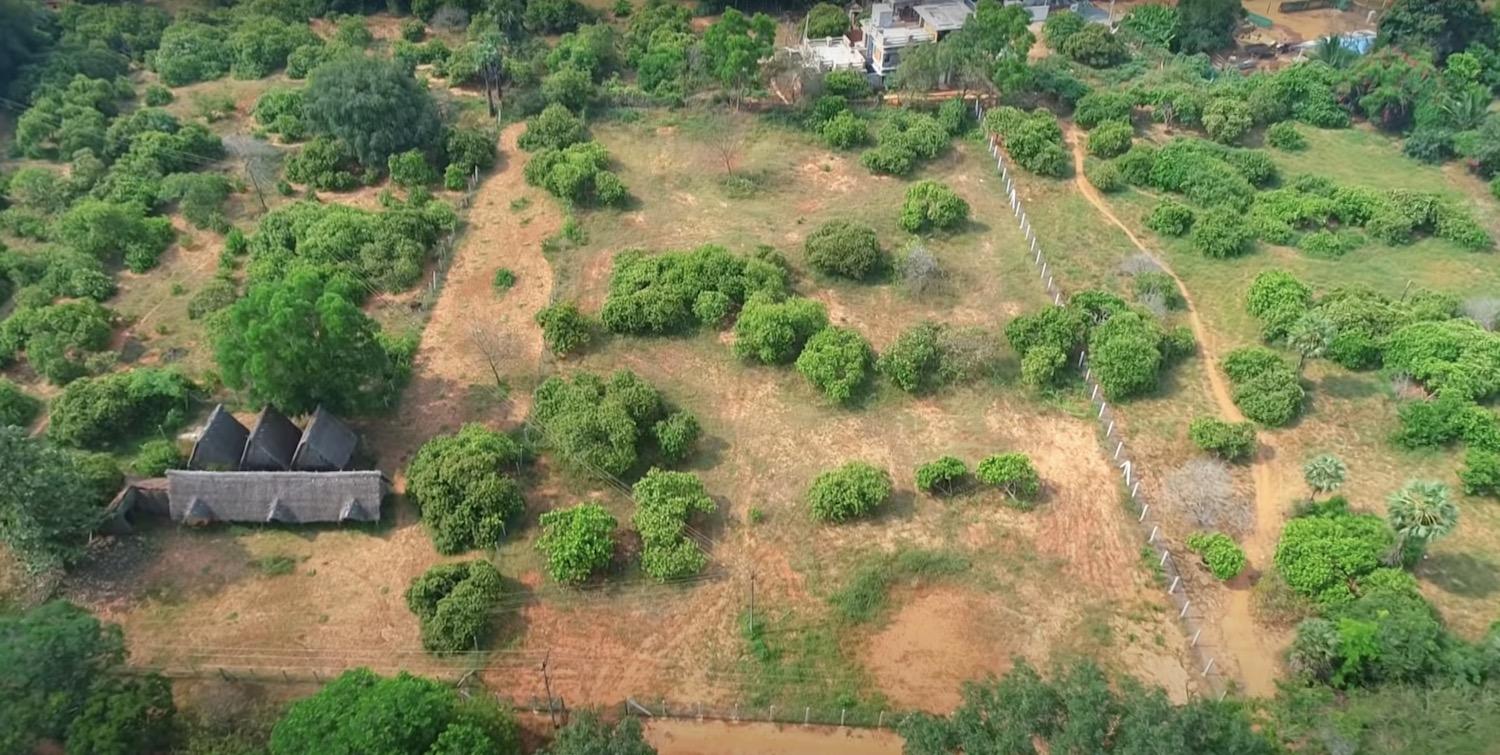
{"x": 1034, "y": 140}
{"x": 53, "y": 501}
{"x": 675, "y": 292}
{"x": 1317, "y": 215}
{"x": 1127, "y": 348}
{"x": 928, "y": 355}
{"x": 600, "y": 426}
{"x": 665, "y": 505}
{"x": 464, "y": 485}
{"x": 577, "y": 541}
{"x": 1265, "y": 387}
{"x": 375, "y": 251}
{"x": 908, "y": 138}
{"x": 578, "y": 173}
{"x": 835, "y": 123}
{"x": 1011, "y": 473}
{"x": 453, "y": 603}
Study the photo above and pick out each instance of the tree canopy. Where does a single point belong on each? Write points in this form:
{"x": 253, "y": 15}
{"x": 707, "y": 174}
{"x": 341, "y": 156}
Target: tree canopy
{"x": 460, "y": 484}
{"x": 373, "y": 105}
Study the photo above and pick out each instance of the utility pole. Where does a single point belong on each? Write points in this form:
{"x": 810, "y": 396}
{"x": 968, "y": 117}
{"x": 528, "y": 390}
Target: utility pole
{"x": 547, "y": 684}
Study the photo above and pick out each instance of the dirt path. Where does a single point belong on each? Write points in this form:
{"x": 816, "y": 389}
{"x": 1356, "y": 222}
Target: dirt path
{"x": 452, "y": 381}
{"x": 721, "y": 738}
{"x": 1256, "y": 658}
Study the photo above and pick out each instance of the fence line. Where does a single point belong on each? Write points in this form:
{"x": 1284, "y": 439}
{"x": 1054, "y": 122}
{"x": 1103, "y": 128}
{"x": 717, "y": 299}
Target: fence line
{"x": 447, "y": 247}
{"x": 1116, "y": 448}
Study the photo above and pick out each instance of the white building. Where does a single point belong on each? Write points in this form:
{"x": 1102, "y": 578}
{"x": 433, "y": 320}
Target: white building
{"x": 895, "y": 26}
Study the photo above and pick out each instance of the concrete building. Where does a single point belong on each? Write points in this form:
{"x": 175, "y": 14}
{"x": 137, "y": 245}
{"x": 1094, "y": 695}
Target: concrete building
{"x": 894, "y": 27}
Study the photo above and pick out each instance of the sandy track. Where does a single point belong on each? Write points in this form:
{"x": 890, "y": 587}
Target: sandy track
{"x": 1257, "y": 659}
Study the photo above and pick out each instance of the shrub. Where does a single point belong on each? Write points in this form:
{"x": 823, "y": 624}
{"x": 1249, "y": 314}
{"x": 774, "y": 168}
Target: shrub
{"x": 1060, "y": 27}
{"x": 846, "y": 249}
{"x": 1034, "y": 140}
{"x": 774, "y": 332}
{"x": 1103, "y": 175}
{"x": 1159, "y": 286}
{"x": 1233, "y": 441}
{"x": 1111, "y": 139}
{"x": 1285, "y": 136}
{"x": 576, "y": 541}
{"x": 157, "y": 95}
{"x": 459, "y": 484}
{"x": 904, "y": 140}
{"x": 260, "y": 45}
{"x": 848, "y": 84}
{"x": 156, "y": 457}
{"x": 1126, "y": 355}
{"x": 1226, "y": 119}
{"x": 17, "y": 407}
{"x": 674, "y": 292}
{"x": 844, "y": 131}
{"x": 60, "y": 340}
{"x": 851, "y": 491}
{"x": 503, "y": 280}
{"x": 1266, "y": 388}
{"x": 200, "y": 197}
{"x": 1103, "y": 106}
{"x": 914, "y": 361}
{"x": 394, "y": 114}
{"x": 1095, "y": 45}
{"x": 930, "y": 205}
{"x": 1224, "y": 559}
{"x": 189, "y": 52}
{"x": 1221, "y": 233}
{"x": 596, "y": 425}
{"x": 1042, "y": 365}
{"x": 576, "y": 173}
{"x": 468, "y": 150}
{"x": 413, "y": 30}
{"x": 1170, "y": 218}
{"x": 97, "y": 412}
{"x": 1012, "y": 473}
{"x": 826, "y": 20}
{"x": 1325, "y": 555}
{"x": 836, "y": 361}
{"x": 1278, "y": 300}
{"x": 675, "y": 435}
{"x": 955, "y": 116}
{"x": 115, "y": 232}
{"x": 410, "y": 169}
{"x": 325, "y": 164}
{"x": 664, "y": 504}
{"x": 453, "y": 603}
{"x": 564, "y": 328}
{"x": 554, "y": 128}
{"x": 1481, "y": 472}
{"x": 942, "y": 476}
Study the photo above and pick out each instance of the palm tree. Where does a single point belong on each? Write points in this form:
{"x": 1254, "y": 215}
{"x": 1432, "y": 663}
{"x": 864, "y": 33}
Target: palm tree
{"x": 1331, "y": 50}
{"x": 1324, "y": 473}
{"x": 1310, "y": 336}
{"x": 1420, "y": 512}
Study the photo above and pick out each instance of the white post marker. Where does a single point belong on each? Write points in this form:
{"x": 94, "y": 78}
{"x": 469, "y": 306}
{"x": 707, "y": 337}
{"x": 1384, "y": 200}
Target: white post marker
{"x": 1173, "y": 587}
{"x": 1144, "y": 509}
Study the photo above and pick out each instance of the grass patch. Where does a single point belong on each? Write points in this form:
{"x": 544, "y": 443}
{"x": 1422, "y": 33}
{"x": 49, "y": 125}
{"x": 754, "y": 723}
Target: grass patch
{"x": 278, "y": 565}
{"x": 865, "y": 597}
{"x": 794, "y": 664}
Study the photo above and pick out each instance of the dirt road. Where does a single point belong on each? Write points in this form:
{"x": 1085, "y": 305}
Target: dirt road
{"x": 720, "y": 738}
{"x": 1256, "y": 658}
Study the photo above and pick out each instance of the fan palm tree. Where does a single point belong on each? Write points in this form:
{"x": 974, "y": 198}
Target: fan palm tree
{"x": 1311, "y": 335}
{"x": 1332, "y": 51}
{"x": 1420, "y": 512}
{"x": 1324, "y": 473}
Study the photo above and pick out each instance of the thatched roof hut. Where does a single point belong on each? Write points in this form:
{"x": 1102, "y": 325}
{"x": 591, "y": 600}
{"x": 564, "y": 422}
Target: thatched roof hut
{"x": 327, "y": 444}
{"x": 291, "y": 497}
{"x": 272, "y": 444}
{"x": 221, "y": 444}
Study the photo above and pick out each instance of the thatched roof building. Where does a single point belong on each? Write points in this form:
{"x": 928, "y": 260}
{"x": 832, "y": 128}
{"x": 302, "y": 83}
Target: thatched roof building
{"x": 327, "y": 444}
{"x": 290, "y": 497}
{"x": 272, "y": 444}
{"x": 221, "y": 444}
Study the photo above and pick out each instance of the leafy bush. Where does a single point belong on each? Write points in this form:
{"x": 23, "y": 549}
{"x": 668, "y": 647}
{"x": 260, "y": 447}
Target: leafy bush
{"x": 17, "y": 407}
{"x": 1012, "y": 473}
{"x": 577, "y": 541}
{"x": 60, "y": 340}
{"x": 942, "y": 476}
{"x": 564, "y": 328}
{"x": 1034, "y": 140}
{"x": 837, "y": 361}
{"x": 453, "y": 602}
{"x": 200, "y": 197}
{"x": 324, "y": 163}
{"x": 1097, "y": 46}
{"x": 460, "y": 485}
{"x": 1061, "y": 26}
{"x": 577, "y": 173}
{"x": 905, "y": 139}
{"x": 1285, "y": 137}
{"x": 190, "y": 52}
{"x": 594, "y": 425}
{"x": 848, "y": 84}
{"x": 1102, "y": 106}
{"x": 1278, "y": 300}
{"x": 1266, "y": 388}
{"x": 1226, "y": 119}
{"x": 1481, "y": 472}
{"x": 851, "y": 491}
{"x": 845, "y": 248}
{"x": 157, "y": 95}
{"x": 554, "y": 128}
{"x": 826, "y": 20}
{"x": 773, "y": 332}
{"x": 260, "y": 45}
{"x": 1221, "y": 233}
{"x": 555, "y": 16}
{"x": 468, "y": 150}
{"x": 1170, "y": 218}
{"x": 96, "y": 412}
{"x": 1042, "y": 365}
{"x": 395, "y": 113}
{"x": 413, "y": 30}
{"x": 1103, "y": 175}
{"x": 114, "y": 232}
{"x": 662, "y": 293}
{"x": 1111, "y": 139}
{"x": 675, "y": 435}
{"x": 383, "y": 251}
{"x": 665, "y": 502}
{"x": 1232, "y": 441}
{"x": 1160, "y": 286}
{"x": 1126, "y": 354}
{"x": 931, "y": 205}
{"x": 156, "y": 457}
{"x": 1325, "y": 555}
{"x": 411, "y": 169}
{"x": 1224, "y": 559}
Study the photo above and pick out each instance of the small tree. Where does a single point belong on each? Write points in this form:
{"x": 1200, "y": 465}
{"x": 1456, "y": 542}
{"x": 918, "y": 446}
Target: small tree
{"x": 942, "y": 476}
{"x": 1110, "y": 139}
{"x": 1012, "y": 473}
{"x": 411, "y": 169}
{"x": 1311, "y": 336}
{"x": 774, "y": 332}
{"x": 1224, "y": 559}
{"x": 555, "y": 127}
{"x": 664, "y": 502}
{"x": 585, "y": 734}
{"x": 851, "y": 491}
{"x": 1226, "y": 119}
{"x": 826, "y": 20}
{"x": 1420, "y": 511}
{"x": 564, "y": 328}
{"x": 453, "y": 603}
{"x": 846, "y": 249}
{"x": 931, "y": 205}
{"x": 837, "y": 361}
{"x": 675, "y": 435}
{"x": 1324, "y": 473}
{"x": 1481, "y": 472}
{"x": 577, "y": 541}
{"x": 1232, "y": 441}
{"x": 458, "y": 483}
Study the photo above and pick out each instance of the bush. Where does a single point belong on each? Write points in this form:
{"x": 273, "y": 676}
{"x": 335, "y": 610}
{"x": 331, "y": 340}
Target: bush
{"x": 453, "y": 603}
{"x": 1159, "y": 286}
{"x": 1224, "y": 559}
{"x": 1325, "y": 555}
{"x": 555, "y": 128}
{"x": 260, "y": 45}
{"x": 596, "y": 425}
{"x": 60, "y": 340}
{"x": 1226, "y": 119}
{"x": 468, "y": 150}
{"x": 846, "y": 249}
{"x": 395, "y": 113}
{"x": 564, "y": 328}
{"x": 847, "y": 84}
{"x": 325, "y": 164}
{"x": 1060, "y": 27}
{"x": 1266, "y": 388}
{"x": 1126, "y": 356}
{"x": 930, "y": 205}
{"x": 1012, "y": 473}
{"x": 576, "y": 173}
{"x": 851, "y": 491}
{"x": 955, "y": 116}
{"x": 1278, "y": 300}
{"x": 576, "y": 541}
{"x": 156, "y": 457}
{"x": 114, "y": 232}
{"x": 844, "y": 131}
{"x": 904, "y": 140}
{"x": 674, "y": 292}
{"x": 555, "y": 16}
{"x": 98, "y": 412}
{"x": 1095, "y": 45}
{"x": 1103, "y": 106}
{"x": 1285, "y": 136}
{"x": 17, "y": 408}
{"x": 1221, "y": 234}
{"x": 942, "y": 476}
{"x": 413, "y": 30}
{"x": 1481, "y": 472}
{"x": 1232, "y": 441}
{"x": 675, "y": 435}
{"x": 1034, "y": 140}
{"x": 1111, "y": 139}
{"x": 200, "y": 197}
{"x": 826, "y": 20}
{"x": 914, "y": 361}
{"x": 1170, "y": 218}
{"x": 1042, "y": 365}
{"x": 190, "y": 52}
{"x": 774, "y": 332}
{"x": 459, "y": 484}
{"x": 836, "y": 361}
{"x": 664, "y": 504}
{"x": 1103, "y": 175}
{"x": 410, "y": 169}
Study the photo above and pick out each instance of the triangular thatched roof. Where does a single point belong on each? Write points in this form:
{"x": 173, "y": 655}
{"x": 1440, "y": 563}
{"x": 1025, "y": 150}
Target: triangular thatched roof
{"x": 290, "y": 497}
{"x": 221, "y": 445}
{"x": 327, "y": 444}
{"x": 272, "y": 444}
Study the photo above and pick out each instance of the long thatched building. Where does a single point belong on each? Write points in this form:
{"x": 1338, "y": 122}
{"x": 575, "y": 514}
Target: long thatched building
{"x": 286, "y": 497}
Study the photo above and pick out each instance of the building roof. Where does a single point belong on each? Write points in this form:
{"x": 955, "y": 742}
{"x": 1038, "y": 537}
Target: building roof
{"x": 272, "y": 444}
{"x": 943, "y": 16}
{"x": 221, "y": 444}
{"x": 327, "y": 444}
{"x": 290, "y": 497}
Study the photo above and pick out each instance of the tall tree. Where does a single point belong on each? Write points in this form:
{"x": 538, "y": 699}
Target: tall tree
{"x": 47, "y": 507}
{"x": 301, "y": 341}
{"x": 1420, "y": 511}
{"x": 1207, "y": 25}
{"x": 373, "y": 105}
{"x": 734, "y": 46}
{"x": 1441, "y": 27}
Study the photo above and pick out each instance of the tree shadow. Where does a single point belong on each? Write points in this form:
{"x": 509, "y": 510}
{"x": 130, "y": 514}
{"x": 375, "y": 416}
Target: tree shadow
{"x": 1462, "y": 574}
{"x": 1349, "y": 386}
{"x": 509, "y": 623}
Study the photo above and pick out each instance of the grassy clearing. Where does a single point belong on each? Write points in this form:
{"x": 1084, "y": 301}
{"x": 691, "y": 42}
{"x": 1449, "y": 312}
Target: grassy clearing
{"x": 865, "y": 597}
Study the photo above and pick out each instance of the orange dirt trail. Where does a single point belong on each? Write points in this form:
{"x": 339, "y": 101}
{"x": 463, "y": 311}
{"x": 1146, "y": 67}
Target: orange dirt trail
{"x": 1255, "y": 657}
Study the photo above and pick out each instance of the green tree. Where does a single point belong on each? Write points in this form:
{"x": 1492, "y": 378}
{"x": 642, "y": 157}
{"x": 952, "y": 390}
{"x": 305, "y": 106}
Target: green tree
{"x": 102, "y": 411}
{"x": 115, "y": 232}
{"x": 460, "y": 485}
{"x": 1226, "y": 119}
{"x": 1420, "y": 512}
{"x": 585, "y": 734}
{"x": 665, "y": 503}
{"x": 930, "y": 205}
{"x": 393, "y": 112}
{"x": 942, "y": 476}
{"x": 1232, "y": 441}
{"x": 1156, "y": 25}
{"x": 1126, "y": 354}
{"x": 845, "y": 248}
{"x": 555, "y": 127}
{"x": 851, "y": 491}
{"x": 837, "y": 361}
{"x": 1324, "y": 473}
{"x": 1012, "y": 473}
{"x": 454, "y": 603}
{"x": 1311, "y": 336}
{"x": 1207, "y": 25}
{"x": 1224, "y": 559}
{"x": 1324, "y": 556}
{"x": 675, "y": 435}
{"x": 565, "y": 328}
{"x": 373, "y": 715}
{"x": 825, "y": 20}
{"x": 17, "y": 407}
{"x": 301, "y": 342}
{"x": 734, "y": 46}
{"x": 1441, "y": 27}
{"x": 774, "y": 332}
{"x": 577, "y": 541}
{"x": 124, "y": 715}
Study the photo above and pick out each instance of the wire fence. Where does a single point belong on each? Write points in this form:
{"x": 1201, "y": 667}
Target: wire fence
{"x": 1116, "y": 449}
{"x": 446, "y": 248}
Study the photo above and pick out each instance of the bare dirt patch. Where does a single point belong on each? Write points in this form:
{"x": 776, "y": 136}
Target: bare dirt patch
{"x": 936, "y": 642}
{"x": 721, "y": 738}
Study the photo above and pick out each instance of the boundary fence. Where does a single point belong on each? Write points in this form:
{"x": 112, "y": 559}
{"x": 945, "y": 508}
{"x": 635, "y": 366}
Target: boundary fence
{"x": 1116, "y": 449}
{"x": 446, "y": 248}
